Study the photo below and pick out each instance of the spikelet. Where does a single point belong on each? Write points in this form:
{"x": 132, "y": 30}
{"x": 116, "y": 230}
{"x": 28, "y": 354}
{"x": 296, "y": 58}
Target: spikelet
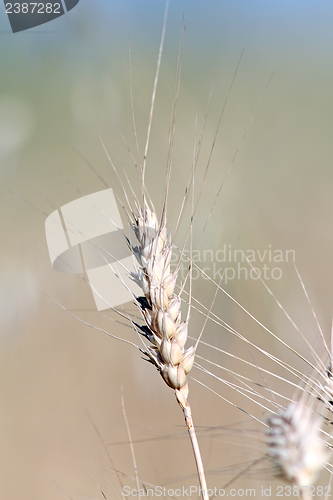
{"x": 161, "y": 311}
{"x": 294, "y": 444}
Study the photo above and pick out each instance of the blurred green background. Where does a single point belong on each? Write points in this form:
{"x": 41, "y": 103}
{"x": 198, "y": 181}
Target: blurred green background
{"x": 64, "y": 83}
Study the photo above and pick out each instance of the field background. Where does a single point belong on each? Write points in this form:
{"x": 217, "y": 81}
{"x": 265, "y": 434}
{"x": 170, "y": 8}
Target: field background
{"x": 61, "y": 85}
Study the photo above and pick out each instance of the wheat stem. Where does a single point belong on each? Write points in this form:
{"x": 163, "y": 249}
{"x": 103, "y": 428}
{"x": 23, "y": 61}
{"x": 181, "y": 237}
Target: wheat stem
{"x": 194, "y": 442}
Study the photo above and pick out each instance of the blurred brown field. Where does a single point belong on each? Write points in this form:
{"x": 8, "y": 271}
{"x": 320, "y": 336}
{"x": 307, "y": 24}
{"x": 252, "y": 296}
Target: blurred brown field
{"x": 62, "y": 86}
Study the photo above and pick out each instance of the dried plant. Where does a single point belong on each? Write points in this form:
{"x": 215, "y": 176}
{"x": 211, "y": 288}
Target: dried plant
{"x": 161, "y": 306}
{"x": 161, "y": 309}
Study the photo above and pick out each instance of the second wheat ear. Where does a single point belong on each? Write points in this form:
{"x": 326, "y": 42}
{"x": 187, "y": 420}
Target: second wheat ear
{"x": 295, "y": 446}
{"x": 161, "y": 310}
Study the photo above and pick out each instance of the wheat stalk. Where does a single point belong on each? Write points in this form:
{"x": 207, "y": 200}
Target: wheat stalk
{"x": 161, "y": 310}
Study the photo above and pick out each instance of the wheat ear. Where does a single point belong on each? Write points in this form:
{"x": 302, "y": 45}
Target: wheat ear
{"x": 295, "y": 446}
{"x": 160, "y": 308}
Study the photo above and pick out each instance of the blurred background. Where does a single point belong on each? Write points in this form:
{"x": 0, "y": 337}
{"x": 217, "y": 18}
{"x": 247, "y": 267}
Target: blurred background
{"x": 64, "y": 84}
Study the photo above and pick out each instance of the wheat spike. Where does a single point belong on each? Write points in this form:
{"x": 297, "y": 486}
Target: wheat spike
{"x": 161, "y": 310}
{"x": 294, "y": 444}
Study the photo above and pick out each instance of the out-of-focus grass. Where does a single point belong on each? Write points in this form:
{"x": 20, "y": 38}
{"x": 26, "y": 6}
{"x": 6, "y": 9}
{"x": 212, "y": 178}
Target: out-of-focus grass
{"x": 64, "y": 83}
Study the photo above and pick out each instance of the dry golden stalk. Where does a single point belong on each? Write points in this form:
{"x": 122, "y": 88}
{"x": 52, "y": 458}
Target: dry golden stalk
{"x": 161, "y": 311}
